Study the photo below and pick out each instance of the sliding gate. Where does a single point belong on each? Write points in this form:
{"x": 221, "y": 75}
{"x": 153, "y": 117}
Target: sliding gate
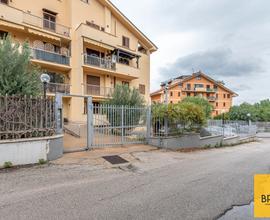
{"x": 111, "y": 125}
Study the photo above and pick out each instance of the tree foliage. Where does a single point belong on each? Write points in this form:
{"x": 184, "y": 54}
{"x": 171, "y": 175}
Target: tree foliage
{"x": 123, "y": 95}
{"x": 17, "y": 75}
{"x": 205, "y": 105}
{"x": 258, "y": 112}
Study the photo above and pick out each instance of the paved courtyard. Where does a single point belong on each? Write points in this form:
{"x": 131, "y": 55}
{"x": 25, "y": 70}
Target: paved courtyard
{"x": 156, "y": 184}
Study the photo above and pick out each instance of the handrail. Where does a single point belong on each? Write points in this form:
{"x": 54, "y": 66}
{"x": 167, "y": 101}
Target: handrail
{"x": 99, "y": 62}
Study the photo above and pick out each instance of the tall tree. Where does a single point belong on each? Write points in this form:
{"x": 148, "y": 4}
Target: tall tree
{"x": 17, "y": 75}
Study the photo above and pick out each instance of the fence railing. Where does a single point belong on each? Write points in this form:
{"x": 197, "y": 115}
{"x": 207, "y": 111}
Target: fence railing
{"x": 262, "y": 126}
{"x": 97, "y": 90}
{"x": 58, "y": 87}
{"x": 99, "y": 62}
{"x": 26, "y": 117}
{"x": 44, "y": 55}
{"x": 231, "y": 128}
{"x": 46, "y": 24}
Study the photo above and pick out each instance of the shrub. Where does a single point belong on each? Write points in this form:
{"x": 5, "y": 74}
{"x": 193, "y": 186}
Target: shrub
{"x": 7, "y": 164}
{"x": 42, "y": 161}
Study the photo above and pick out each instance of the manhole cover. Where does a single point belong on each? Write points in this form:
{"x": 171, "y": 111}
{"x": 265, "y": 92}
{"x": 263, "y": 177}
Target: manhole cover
{"x": 115, "y": 159}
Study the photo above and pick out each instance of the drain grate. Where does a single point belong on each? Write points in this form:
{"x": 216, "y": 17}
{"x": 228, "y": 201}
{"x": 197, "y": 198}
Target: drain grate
{"x": 115, "y": 159}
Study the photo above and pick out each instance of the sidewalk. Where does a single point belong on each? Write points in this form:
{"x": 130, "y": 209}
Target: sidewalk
{"x": 94, "y": 157}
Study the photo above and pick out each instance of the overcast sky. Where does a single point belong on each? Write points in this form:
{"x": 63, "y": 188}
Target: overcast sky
{"x": 227, "y": 39}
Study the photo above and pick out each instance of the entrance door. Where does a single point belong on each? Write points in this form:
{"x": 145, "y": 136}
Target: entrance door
{"x": 93, "y": 85}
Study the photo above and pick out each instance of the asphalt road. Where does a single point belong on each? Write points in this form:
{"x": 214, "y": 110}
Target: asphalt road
{"x": 160, "y": 185}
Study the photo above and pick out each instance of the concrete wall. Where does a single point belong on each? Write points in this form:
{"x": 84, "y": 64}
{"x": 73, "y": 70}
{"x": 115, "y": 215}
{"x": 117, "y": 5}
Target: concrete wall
{"x": 30, "y": 151}
{"x": 186, "y": 141}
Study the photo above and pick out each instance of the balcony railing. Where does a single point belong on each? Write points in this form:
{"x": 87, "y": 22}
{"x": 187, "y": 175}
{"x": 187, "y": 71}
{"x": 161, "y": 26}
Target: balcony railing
{"x": 48, "y": 56}
{"x": 58, "y": 87}
{"x": 212, "y": 98}
{"x": 98, "y": 91}
{"x": 98, "y": 62}
{"x": 46, "y": 24}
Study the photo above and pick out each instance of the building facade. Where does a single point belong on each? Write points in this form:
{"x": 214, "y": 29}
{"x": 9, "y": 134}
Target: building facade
{"x": 197, "y": 84}
{"x": 86, "y": 46}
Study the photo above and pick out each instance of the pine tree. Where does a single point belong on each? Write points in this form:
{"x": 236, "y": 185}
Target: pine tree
{"x": 17, "y": 75}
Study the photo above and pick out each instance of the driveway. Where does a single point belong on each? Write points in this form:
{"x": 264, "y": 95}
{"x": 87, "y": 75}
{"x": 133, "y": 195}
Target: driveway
{"x": 157, "y": 185}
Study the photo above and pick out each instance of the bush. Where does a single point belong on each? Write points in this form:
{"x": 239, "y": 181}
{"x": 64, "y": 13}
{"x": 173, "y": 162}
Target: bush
{"x": 42, "y": 161}
{"x": 17, "y": 75}
{"x": 184, "y": 116}
{"x": 203, "y": 103}
{"x": 7, "y": 164}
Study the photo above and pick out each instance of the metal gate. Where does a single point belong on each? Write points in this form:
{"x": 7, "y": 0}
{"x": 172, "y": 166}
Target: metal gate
{"x": 111, "y": 125}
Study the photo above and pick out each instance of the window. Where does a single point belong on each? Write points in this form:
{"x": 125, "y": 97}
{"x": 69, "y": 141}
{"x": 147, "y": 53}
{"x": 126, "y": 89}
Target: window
{"x": 4, "y": 1}
{"x": 224, "y": 104}
{"x": 198, "y": 78}
{"x": 49, "y": 19}
{"x": 141, "y": 49}
{"x": 216, "y": 104}
{"x": 188, "y": 93}
{"x": 180, "y": 85}
{"x": 125, "y": 83}
{"x": 171, "y": 102}
{"x": 216, "y": 112}
{"x": 215, "y": 87}
{"x": 85, "y": 1}
{"x": 179, "y": 94}
{"x": 199, "y": 86}
{"x": 3, "y": 35}
{"x": 188, "y": 86}
{"x": 171, "y": 93}
{"x": 224, "y": 96}
{"x": 125, "y": 42}
{"x": 142, "y": 89}
{"x": 217, "y": 96}
{"x": 228, "y": 96}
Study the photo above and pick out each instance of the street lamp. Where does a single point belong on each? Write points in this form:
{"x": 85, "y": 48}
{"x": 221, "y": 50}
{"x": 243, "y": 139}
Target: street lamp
{"x": 45, "y": 79}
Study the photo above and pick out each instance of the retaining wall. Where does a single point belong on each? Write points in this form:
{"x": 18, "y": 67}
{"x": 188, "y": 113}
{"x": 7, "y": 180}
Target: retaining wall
{"x": 30, "y": 151}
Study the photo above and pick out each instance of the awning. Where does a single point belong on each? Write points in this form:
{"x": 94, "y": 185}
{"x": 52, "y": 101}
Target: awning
{"x": 43, "y": 34}
{"x": 12, "y": 25}
{"x": 99, "y": 44}
{"x": 127, "y": 54}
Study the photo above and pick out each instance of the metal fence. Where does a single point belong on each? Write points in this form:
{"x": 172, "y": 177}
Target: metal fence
{"x": 231, "y": 128}
{"x": 118, "y": 125}
{"x": 26, "y": 117}
{"x": 262, "y": 126}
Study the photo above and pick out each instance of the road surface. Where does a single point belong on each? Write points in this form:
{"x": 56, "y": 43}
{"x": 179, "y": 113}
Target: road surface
{"x": 159, "y": 185}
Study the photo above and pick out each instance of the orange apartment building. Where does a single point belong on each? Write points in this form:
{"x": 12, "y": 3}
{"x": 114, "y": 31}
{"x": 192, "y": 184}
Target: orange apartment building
{"x": 197, "y": 84}
{"x": 86, "y": 46}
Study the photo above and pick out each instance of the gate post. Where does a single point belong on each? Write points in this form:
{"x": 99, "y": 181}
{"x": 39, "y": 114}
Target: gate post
{"x": 122, "y": 125}
{"x": 148, "y": 124}
{"x": 59, "y": 113}
{"x": 90, "y": 127}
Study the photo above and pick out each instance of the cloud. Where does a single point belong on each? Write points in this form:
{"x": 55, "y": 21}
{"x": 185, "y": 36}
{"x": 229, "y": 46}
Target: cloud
{"x": 217, "y": 63}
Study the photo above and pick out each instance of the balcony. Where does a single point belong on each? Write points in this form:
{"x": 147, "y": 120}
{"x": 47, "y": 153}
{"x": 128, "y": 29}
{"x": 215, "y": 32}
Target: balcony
{"x": 19, "y": 17}
{"x": 99, "y": 62}
{"x": 46, "y": 24}
{"x": 58, "y": 87}
{"x": 48, "y": 56}
{"x": 94, "y": 90}
{"x": 211, "y": 98}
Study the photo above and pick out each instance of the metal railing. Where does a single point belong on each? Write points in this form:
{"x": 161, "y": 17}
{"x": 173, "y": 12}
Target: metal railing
{"x": 231, "y": 128}
{"x": 98, "y": 62}
{"x": 97, "y": 90}
{"x": 44, "y": 55}
{"x": 211, "y": 98}
{"x": 46, "y": 24}
{"x": 58, "y": 87}
{"x": 26, "y": 117}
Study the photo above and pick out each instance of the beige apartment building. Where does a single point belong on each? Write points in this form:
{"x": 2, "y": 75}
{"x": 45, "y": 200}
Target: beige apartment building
{"x": 86, "y": 46}
{"x": 197, "y": 84}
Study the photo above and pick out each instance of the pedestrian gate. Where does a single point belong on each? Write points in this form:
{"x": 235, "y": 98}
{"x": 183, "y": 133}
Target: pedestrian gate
{"x": 111, "y": 125}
